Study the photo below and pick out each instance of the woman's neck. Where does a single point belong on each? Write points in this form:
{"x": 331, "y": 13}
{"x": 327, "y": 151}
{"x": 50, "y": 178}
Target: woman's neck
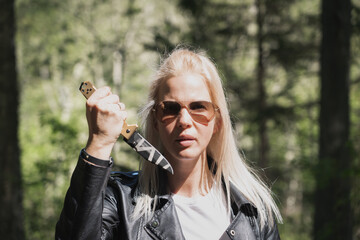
{"x": 190, "y": 178}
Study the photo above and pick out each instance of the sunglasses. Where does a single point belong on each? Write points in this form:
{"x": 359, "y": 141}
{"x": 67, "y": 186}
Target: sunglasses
{"x": 200, "y": 111}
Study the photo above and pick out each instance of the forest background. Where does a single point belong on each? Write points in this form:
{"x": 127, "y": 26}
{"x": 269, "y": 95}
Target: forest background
{"x": 271, "y": 55}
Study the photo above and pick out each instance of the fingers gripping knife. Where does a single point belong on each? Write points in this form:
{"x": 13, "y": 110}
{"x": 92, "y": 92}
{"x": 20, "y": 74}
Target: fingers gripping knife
{"x": 133, "y": 137}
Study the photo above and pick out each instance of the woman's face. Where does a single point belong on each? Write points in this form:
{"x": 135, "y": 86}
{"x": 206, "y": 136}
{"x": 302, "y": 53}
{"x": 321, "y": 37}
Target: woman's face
{"x": 184, "y": 138}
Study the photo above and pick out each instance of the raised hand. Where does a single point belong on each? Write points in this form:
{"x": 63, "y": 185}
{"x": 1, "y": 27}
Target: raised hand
{"x": 105, "y": 116}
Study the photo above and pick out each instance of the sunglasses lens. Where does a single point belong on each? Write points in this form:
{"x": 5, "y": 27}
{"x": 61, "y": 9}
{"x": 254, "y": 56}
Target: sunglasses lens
{"x": 200, "y": 111}
{"x": 168, "y": 110}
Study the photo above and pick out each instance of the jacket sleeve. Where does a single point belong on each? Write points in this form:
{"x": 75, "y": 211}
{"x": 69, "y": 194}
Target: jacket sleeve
{"x": 82, "y": 214}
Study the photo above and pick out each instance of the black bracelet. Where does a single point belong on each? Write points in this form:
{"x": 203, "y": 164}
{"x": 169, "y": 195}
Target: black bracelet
{"x": 102, "y": 163}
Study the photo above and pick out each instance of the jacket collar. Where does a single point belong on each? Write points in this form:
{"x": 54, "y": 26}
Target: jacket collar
{"x": 240, "y": 203}
{"x": 165, "y": 223}
{"x": 237, "y": 200}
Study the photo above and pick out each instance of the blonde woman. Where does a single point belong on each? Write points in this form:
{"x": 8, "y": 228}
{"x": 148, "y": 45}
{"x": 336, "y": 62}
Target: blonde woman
{"x": 213, "y": 194}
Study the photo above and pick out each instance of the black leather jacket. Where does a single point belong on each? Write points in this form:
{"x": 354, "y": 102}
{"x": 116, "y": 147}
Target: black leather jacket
{"x": 99, "y": 206}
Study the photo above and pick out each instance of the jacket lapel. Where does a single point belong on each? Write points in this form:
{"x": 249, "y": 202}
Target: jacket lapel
{"x": 165, "y": 223}
{"x": 239, "y": 228}
{"x": 244, "y": 225}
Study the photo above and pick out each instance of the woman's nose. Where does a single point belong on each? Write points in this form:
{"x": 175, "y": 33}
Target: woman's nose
{"x": 184, "y": 118}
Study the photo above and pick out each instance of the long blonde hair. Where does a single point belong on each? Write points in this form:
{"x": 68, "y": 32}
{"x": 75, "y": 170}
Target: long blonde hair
{"x": 230, "y": 166}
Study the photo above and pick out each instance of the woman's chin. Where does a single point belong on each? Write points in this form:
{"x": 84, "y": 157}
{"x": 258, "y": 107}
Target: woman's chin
{"x": 186, "y": 155}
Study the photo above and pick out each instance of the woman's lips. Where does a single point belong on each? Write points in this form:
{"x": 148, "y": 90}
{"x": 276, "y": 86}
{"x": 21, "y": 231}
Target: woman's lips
{"x": 185, "y": 141}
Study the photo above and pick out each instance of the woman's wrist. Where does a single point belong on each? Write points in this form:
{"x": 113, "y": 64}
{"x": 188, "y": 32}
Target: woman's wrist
{"x": 95, "y": 161}
{"x": 99, "y": 149}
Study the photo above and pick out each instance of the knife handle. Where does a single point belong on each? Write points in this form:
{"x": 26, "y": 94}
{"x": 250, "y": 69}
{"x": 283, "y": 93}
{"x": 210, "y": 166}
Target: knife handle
{"x": 128, "y": 130}
{"x": 87, "y": 89}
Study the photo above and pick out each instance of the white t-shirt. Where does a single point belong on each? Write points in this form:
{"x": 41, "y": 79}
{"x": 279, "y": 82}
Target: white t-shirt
{"x": 202, "y": 217}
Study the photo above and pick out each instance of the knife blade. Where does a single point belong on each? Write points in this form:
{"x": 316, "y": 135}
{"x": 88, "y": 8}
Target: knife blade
{"x": 132, "y": 137}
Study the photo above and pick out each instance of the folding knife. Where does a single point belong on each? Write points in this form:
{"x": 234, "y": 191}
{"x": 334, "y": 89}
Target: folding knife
{"x": 133, "y": 137}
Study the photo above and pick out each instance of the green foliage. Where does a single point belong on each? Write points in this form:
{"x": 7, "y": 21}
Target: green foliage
{"x": 48, "y": 144}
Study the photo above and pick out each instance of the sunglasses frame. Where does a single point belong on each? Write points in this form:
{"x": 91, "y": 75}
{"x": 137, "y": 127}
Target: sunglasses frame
{"x": 185, "y": 104}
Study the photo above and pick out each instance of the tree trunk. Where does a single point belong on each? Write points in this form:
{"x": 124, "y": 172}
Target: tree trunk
{"x": 332, "y": 198}
{"x": 260, "y": 77}
{"x": 11, "y": 215}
